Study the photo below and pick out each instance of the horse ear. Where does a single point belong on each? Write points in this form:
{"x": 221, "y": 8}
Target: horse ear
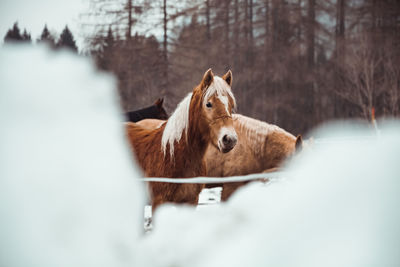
{"x": 228, "y": 77}
{"x": 208, "y": 78}
{"x": 299, "y": 143}
{"x": 159, "y": 102}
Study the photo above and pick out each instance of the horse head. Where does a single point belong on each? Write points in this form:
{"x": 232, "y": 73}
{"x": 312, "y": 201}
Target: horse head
{"x": 161, "y": 113}
{"x": 217, "y": 102}
{"x": 299, "y": 143}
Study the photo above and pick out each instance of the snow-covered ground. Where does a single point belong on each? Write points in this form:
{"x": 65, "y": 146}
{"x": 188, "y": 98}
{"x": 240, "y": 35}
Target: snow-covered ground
{"x": 70, "y": 195}
{"x": 338, "y": 206}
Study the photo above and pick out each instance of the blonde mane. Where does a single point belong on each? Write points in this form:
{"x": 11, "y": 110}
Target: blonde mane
{"x": 256, "y": 131}
{"x": 179, "y": 120}
{"x": 176, "y": 124}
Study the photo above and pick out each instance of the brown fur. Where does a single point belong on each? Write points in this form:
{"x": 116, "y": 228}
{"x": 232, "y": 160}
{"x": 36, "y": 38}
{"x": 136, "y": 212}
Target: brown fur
{"x": 188, "y": 160}
{"x": 244, "y": 159}
{"x": 150, "y": 124}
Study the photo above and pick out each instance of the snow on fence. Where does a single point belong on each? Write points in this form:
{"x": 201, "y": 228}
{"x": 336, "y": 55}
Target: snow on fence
{"x": 210, "y": 195}
{"x": 219, "y": 180}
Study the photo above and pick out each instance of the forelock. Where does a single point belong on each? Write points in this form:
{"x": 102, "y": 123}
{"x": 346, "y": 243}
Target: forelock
{"x": 222, "y": 90}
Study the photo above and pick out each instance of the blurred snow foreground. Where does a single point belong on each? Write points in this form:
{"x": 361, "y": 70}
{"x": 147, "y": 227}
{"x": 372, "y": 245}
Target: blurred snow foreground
{"x": 339, "y": 206}
{"x": 69, "y": 197}
{"x": 68, "y": 193}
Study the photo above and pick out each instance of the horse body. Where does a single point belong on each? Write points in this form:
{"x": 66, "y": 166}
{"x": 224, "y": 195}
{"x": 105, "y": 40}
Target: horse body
{"x": 177, "y": 147}
{"x": 261, "y": 147}
{"x": 149, "y": 157}
{"x": 155, "y": 111}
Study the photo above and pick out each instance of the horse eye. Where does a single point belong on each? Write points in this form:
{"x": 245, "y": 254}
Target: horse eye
{"x": 209, "y": 105}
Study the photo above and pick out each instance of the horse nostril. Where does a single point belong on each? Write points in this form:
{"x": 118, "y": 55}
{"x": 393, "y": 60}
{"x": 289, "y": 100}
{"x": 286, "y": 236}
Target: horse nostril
{"x": 228, "y": 140}
{"x": 234, "y": 140}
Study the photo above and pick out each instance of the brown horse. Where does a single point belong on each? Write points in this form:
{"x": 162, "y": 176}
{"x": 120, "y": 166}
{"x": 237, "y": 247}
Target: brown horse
{"x": 261, "y": 147}
{"x": 177, "y": 147}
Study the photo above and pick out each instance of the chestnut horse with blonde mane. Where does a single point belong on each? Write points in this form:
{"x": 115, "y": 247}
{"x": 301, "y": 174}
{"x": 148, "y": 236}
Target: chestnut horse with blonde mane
{"x": 261, "y": 147}
{"x": 176, "y": 149}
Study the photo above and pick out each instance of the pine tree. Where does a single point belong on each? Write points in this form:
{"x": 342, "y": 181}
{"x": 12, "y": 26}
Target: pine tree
{"x": 13, "y": 35}
{"x": 26, "y": 37}
{"x": 104, "y": 56}
{"x": 47, "y": 38}
{"x": 67, "y": 40}
{"x": 109, "y": 41}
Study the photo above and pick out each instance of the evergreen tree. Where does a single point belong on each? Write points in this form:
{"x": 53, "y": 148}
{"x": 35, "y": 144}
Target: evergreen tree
{"x": 106, "y": 52}
{"x": 67, "y": 40}
{"x": 47, "y": 38}
{"x": 13, "y": 35}
{"x": 26, "y": 37}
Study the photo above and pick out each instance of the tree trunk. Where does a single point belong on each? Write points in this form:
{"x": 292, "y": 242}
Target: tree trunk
{"x": 340, "y": 30}
{"x": 339, "y": 52}
{"x": 251, "y": 35}
{"x": 274, "y": 24}
{"x": 236, "y": 35}
{"x": 267, "y": 32}
{"x": 246, "y": 23}
{"x": 165, "y": 49}
{"x": 299, "y": 27}
{"x": 311, "y": 34}
{"x": 227, "y": 43}
{"x": 311, "y": 98}
{"x": 208, "y": 19}
{"x": 129, "y": 30}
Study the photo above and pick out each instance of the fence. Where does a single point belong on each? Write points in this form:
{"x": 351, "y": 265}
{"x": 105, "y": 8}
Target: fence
{"x": 219, "y": 180}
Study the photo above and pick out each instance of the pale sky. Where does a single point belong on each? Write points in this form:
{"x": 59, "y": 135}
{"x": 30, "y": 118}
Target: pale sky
{"x": 34, "y": 14}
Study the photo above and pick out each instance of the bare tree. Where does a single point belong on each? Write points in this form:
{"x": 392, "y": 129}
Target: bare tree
{"x": 296, "y": 62}
{"x": 391, "y": 83}
{"x": 358, "y": 74}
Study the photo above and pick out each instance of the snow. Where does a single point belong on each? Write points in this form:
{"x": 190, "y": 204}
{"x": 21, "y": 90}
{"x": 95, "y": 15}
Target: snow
{"x": 69, "y": 194}
{"x": 210, "y": 196}
{"x": 337, "y": 207}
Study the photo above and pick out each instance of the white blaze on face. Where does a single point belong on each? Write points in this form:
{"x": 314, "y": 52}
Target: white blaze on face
{"x": 229, "y": 132}
{"x": 225, "y": 101}
{"x": 223, "y": 92}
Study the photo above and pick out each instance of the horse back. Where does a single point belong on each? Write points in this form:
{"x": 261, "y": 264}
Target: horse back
{"x": 151, "y": 112}
{"x": 146, "y": 146}
{"x": 133, "y": 116}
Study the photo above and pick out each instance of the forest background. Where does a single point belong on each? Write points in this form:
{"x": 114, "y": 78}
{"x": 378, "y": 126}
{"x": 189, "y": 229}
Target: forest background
{"x": 295, "y": 63}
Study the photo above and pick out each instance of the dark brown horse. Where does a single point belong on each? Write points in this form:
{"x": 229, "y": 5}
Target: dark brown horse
{"x": 155, "y": 111}
{"x": 177, "y": 147}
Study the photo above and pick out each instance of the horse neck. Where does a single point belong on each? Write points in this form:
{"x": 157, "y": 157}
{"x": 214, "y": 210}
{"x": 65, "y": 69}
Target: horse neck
{"x": 186, "y": 135}
{"x": 148, "y": 112}
{"x": 265, "y": 140}
{"x": 198, "y": 133}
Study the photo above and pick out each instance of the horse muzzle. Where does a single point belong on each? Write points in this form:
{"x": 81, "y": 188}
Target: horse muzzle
{"x": 227, "y": 141}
